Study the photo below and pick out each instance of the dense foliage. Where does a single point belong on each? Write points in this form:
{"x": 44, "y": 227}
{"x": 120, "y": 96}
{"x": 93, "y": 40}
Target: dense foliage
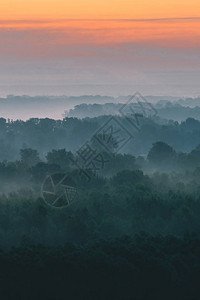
{"x": 139, "y": 268}
{"x": 131, "y": 232}
{"x": 71, "y": 133}
{"x": 125, "y": 204}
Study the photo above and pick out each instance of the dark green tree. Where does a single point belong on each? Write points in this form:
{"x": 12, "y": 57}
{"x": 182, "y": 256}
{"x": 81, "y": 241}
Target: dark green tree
{"x": 29, "y": 157}
{"x": 161, "y": 154}
{"x": 59, "y": 157}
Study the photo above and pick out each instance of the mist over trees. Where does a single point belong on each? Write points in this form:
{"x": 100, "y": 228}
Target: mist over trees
{"x": 26, "y": 107}
{"x": 131, "y": 230}
{"x": 70, "y": 133}
{"x": 176, "y": 111}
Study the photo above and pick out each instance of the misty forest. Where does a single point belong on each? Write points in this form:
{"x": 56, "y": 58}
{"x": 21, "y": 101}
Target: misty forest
{"x": 103, "y": 203}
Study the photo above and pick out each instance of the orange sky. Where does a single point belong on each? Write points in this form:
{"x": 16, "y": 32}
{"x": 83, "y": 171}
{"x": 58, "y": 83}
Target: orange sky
{"x": 176, "y": 23}
{"x": 175, "y": 33}
{"x": 100, "y": 41}
{"x": 26, "y": 9}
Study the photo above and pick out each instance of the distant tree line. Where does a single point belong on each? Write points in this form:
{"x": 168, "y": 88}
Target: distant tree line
{"x": 71, "y": 133}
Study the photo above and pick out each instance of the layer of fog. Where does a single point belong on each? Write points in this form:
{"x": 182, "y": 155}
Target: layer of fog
{"x": 26, "y": 107}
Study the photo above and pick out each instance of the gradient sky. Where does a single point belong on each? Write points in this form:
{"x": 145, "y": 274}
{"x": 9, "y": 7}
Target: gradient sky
{"x": 147, "y": 44}
{"x": 94, "y": 9}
